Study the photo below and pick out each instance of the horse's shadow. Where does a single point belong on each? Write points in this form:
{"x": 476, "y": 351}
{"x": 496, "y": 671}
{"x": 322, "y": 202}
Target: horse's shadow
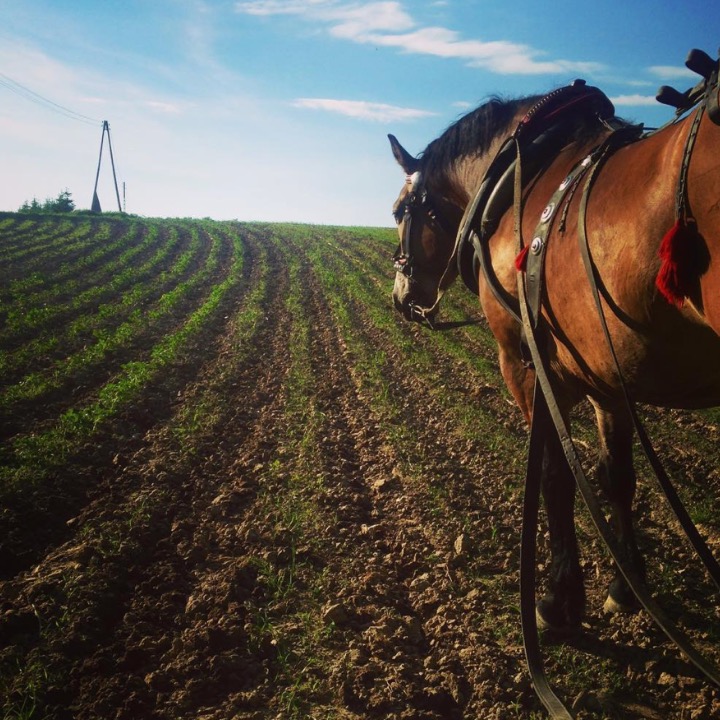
{"x": 626, "y": 655}
{"x": 454, "y": 324}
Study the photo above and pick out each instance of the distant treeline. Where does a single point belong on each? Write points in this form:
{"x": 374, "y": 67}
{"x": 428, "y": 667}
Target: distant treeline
{"x": 61, "y": 204}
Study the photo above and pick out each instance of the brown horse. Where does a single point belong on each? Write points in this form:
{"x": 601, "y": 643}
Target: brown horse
{"x": 668, "y": 345}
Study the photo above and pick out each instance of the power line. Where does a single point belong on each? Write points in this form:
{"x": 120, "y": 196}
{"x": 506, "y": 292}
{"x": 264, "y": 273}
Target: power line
{"x": 32, "y": 96}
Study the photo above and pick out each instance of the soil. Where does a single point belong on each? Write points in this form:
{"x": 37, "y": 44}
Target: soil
{"x": 178, "y": 580}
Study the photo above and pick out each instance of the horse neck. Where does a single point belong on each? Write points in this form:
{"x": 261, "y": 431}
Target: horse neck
{"x": 460, "y": 182}
{"x": 451, "y": 191}
{"x": 472, "y": 169}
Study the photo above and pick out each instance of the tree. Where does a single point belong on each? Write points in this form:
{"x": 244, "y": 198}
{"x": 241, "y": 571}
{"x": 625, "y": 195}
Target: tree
{"x": 63, "y": 203}
{"x": 31, "y": 207}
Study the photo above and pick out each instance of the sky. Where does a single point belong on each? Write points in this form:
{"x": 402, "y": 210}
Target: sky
{"x": 279, "y": 110}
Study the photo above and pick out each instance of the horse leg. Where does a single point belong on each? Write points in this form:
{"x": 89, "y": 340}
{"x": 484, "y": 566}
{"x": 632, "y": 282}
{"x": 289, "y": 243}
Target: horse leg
{"x": 616, "y": 476}
{"x": 563, "y": 604}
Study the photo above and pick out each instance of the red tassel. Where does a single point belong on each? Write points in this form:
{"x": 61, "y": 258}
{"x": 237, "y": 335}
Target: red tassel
{"x": 521, "y": 259}
{"x": 677, "y": 270}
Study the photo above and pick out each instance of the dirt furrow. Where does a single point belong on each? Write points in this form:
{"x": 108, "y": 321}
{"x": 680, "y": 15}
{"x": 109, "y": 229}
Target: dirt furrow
{"x": 316, "y": 514}
{"x": 129, "y": 578}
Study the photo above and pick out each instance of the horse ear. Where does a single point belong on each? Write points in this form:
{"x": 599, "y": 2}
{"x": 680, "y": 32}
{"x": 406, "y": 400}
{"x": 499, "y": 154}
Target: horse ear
{"x": 406, "y": 161}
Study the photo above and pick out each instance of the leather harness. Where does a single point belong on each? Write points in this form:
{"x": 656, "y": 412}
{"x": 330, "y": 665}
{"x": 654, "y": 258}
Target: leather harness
{"x": 546, "y": 410}
{"x": 536, "y": 141}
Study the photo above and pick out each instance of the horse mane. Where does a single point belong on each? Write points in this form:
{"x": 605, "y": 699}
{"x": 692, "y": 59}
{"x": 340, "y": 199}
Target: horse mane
{"x": 474, "y": 133}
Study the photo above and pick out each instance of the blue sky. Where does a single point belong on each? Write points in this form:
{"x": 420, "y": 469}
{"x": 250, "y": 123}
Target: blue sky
{"x": 279, "y": 109}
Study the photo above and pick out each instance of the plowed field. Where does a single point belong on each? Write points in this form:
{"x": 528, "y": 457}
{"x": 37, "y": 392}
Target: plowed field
{"x": 235, "y": 484}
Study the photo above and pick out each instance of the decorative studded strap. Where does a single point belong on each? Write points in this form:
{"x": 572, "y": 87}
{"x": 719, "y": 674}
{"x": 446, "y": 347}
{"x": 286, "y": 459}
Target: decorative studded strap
{"x": 535, "y": 266}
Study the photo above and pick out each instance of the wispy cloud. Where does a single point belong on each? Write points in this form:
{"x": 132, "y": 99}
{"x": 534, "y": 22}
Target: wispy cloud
{"x": 671, "y": 72}
{"x": 356, "y": 22}
{"x": 168, "y": 108}
{"x": 378, "y": 112}
{"x": 387, "y": 24}
{"x": 499, "y": 56}
{"x": 633, "y": 100}
{"x": 282, "y": 7}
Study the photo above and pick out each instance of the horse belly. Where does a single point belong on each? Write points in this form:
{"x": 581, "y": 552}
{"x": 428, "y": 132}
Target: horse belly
{"x": 708, "y": 302}
{"x": 668, "y": 364}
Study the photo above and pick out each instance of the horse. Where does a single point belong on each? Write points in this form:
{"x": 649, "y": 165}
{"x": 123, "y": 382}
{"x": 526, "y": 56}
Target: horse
{"x": 650, "y": 215}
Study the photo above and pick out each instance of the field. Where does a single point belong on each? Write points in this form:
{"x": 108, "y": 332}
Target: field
{"x": 235, "y": 484}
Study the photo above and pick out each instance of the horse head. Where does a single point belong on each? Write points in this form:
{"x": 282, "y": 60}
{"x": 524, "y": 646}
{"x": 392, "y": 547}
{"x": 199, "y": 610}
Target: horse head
{"x": 427, "y": 223}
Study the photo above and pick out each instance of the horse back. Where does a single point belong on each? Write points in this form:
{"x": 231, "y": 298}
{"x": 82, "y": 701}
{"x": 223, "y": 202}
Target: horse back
{"x": 669, "y": 354}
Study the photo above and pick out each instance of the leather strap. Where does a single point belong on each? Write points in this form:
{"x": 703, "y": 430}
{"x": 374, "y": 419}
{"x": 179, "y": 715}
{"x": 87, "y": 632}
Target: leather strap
{"x": 713, "y": 96}
{"x": 664, "y": 481}
{"x": 538, "y": 136}
{"x": 596, "y": 513}
{"x": 535, "y": 268}
{"x": 541, "y": 425}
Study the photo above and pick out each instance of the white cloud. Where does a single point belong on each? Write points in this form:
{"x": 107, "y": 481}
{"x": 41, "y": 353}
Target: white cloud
{"x": 354, "y": 22}
{"x": 638, "y": 83}
{"x": 281, "y": 7}
{"x": 634, "y": 100}
{"x": 168, "y": 108}
{"x": 377, "y": 112}
{"x": 499, "y": 56}
{"x": 671, "y": 72}
{"x": 387, "y": 24}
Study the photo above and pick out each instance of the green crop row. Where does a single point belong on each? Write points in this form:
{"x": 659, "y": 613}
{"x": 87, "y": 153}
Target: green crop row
{"x": 100, "y": 307}
{"x": 95, "y": 358}
{"x": 20, "y": 239}
{"x": 89, "y": 242}
{"x": 57, "y": 291}
{"x": 169, "y": 338}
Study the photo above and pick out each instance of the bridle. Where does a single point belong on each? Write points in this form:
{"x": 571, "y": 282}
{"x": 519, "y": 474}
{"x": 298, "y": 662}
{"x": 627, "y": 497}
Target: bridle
{"x": 416, "y": 206}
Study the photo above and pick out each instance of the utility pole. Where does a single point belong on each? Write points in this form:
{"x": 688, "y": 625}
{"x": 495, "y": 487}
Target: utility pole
{"x": 96, "y": 201}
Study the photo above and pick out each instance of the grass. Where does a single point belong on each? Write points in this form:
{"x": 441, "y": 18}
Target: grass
{"x": 183, "y": 315}
{"x": 30, "y": 457}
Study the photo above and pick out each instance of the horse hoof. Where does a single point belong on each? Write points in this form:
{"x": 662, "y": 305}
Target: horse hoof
{"x": 548, "y": 619}
{"x": 612, "y": 606}
{"x": 542, "y": 624}
{"x": 620, "y": 599}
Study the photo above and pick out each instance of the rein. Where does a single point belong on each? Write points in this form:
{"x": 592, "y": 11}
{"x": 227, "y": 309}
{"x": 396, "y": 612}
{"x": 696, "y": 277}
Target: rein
{"x": 537, "y": 139}
{"x": 546, "y": 408}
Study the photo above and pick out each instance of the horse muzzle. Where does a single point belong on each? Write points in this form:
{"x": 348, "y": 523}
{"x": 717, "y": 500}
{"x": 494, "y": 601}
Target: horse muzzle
{"x": 413, "y": 312}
